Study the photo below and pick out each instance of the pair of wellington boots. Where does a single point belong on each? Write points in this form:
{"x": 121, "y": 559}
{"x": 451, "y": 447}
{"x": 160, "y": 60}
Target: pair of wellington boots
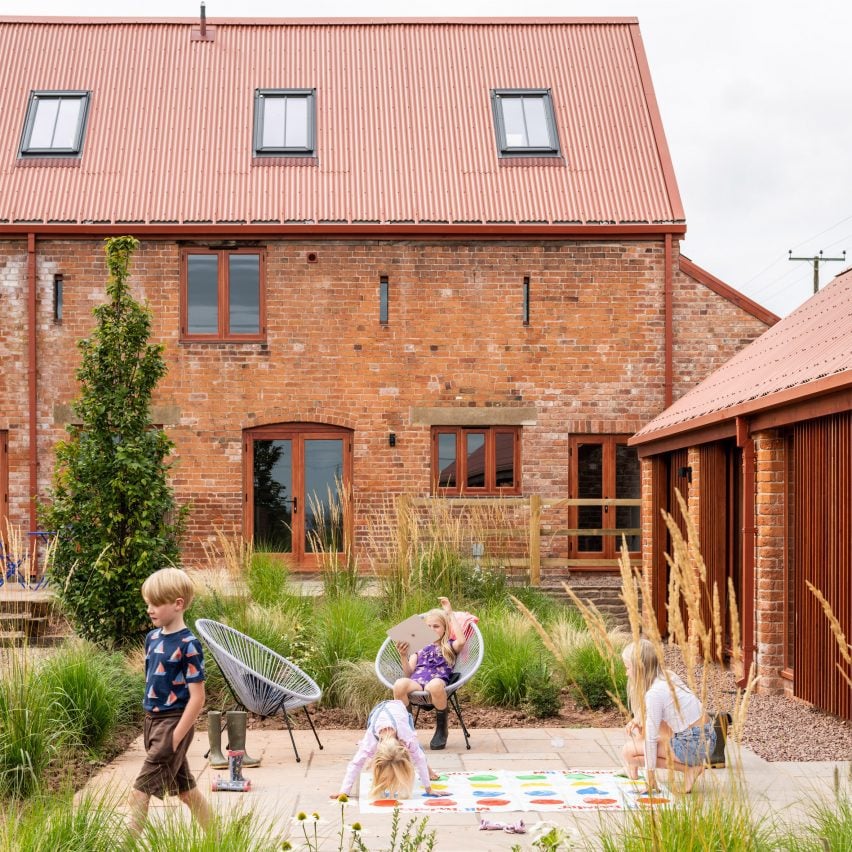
{"x": 235, "y": 723}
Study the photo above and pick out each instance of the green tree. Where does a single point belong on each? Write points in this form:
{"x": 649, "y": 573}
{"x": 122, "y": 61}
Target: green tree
{"x": 111, "y": 506}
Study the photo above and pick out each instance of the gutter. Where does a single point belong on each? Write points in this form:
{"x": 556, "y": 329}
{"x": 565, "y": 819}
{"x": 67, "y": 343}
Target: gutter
{"x": 32, "y": 378}
{"x": 746, "y": 443}
{"x": 378, "y": 230}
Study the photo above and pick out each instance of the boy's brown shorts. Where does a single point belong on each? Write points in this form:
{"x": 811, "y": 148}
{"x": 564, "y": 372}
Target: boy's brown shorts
{"x": 164, "y": 770}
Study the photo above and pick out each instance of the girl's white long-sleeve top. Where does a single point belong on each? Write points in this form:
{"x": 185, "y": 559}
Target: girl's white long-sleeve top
{"x": 388, "y": 714}
{"x": 660, "y": 707}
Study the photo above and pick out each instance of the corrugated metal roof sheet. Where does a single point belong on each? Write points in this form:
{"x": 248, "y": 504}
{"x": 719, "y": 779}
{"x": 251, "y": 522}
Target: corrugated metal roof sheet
{"x": 404, "y": 125}
{"x": 812, "y": 344}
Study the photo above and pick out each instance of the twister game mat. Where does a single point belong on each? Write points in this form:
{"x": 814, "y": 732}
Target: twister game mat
{"x": 502, "y": 791}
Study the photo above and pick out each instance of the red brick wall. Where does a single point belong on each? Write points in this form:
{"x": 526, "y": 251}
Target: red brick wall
{"x": 707, "y": 331}
{"x": 589, "y": 361}
{"x": 770, "y": 488}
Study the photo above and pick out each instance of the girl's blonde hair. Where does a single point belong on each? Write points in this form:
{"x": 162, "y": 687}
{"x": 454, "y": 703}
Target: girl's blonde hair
{"x": 393, "y": 770}
{"x": 444, "y": 643}
{"x": 645, "y": 669}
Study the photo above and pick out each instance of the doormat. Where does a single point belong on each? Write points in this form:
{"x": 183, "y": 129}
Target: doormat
{"x": 501, "y": 791}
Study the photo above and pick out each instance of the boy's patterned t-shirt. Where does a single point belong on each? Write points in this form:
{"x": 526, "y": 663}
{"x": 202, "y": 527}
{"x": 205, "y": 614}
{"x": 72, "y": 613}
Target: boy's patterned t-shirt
{"x": 172, "y": 662}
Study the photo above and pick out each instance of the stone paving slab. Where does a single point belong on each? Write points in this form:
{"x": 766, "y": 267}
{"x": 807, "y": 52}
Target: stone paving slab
{"x": 281, "y": 787}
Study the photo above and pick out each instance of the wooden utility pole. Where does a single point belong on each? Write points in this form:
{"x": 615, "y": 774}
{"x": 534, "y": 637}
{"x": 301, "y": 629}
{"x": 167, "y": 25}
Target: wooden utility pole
{"x": 816, "y": 260}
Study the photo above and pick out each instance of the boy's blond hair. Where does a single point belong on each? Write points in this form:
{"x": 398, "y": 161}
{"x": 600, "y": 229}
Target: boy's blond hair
{"x": 166, "y": 586}
{"x": 393, "y": 770}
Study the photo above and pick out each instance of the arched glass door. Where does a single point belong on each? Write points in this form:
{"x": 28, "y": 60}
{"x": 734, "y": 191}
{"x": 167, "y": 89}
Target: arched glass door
{"x": 296, "y": 477}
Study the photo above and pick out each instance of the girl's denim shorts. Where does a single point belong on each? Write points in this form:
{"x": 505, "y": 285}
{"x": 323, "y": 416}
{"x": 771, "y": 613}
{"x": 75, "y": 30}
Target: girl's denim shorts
{"x": 694, "y": 745}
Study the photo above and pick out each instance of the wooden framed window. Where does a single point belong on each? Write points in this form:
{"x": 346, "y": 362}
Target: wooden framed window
{"x": 223, "y": 294}
{"x": 605, "y": 490}
{"x": 476, "y": 460}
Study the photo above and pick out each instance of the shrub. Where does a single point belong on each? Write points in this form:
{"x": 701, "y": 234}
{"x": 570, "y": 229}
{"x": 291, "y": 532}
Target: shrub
{"x": 587, "y": 672}
{"x": 28, "y": 736}
{"x": 543, "y": 693}
{"x": 344, "y": 628}
{"x": 544, "y": 606}
{"x": 830, "y": 826}
{"x": 111, "y": 501}
{"x": 48, "y": 825}
{"x": 358, "y": 689}
{"x": 691, "y": 824}
{"x": 512, "y": 655}
{"x": 267, "y": 579}
{"x": 91, "y": 694}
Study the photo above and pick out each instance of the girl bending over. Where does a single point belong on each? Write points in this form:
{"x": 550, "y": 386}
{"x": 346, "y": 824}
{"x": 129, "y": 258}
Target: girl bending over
{"x": 391, "y": 742}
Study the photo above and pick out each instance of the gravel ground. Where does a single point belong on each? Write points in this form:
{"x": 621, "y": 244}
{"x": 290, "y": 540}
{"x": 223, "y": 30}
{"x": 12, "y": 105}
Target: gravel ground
{"x": 777, "y": 727}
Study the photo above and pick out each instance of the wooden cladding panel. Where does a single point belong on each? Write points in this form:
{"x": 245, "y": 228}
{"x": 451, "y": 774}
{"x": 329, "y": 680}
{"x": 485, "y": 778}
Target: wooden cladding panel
{"x": 821, "y": 531}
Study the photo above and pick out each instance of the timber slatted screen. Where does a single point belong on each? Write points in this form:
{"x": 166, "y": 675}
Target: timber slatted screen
{"x": 674, "y": 476}
{"x": 659, "y": 537}
{"x": 713, "y": 529}
{"x": 821, "y": 530}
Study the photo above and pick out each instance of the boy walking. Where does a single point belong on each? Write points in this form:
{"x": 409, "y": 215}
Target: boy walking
{"x": 174, "y": 696}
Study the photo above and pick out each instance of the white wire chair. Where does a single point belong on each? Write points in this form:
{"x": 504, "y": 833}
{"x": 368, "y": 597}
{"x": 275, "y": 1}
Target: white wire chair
{"x": 389, "y": 670}
{"x": 261, "y": 681}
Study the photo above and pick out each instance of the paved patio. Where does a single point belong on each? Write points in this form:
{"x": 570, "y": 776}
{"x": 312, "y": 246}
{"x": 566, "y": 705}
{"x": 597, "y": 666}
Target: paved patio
{"x": 281, "y": 788}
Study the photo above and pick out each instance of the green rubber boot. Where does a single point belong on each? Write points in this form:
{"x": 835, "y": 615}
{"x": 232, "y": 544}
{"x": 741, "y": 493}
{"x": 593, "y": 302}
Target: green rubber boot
{"x": 236, "y": 720}
{"x": 214, "y": 735}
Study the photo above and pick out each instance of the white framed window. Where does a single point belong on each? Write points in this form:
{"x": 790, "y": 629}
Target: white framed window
{"x": 285, "y": 122}
{"x": 55, "y": 124}
{"x": 524, "y": 122}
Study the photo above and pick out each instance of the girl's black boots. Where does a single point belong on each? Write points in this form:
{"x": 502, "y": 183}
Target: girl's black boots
{"x": 439, "y": 740}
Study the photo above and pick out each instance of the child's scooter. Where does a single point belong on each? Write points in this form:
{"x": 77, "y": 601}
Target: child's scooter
{"x": 236, "y": 783}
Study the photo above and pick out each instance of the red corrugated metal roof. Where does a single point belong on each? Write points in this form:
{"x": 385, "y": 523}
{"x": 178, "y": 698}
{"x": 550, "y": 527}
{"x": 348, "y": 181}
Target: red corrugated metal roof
{"x": 404, "y": 126}
{"x": 807, "y": 352}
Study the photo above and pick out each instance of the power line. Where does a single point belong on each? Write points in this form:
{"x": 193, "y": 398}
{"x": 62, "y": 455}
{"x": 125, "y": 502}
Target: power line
{"x": 816, "y": 260}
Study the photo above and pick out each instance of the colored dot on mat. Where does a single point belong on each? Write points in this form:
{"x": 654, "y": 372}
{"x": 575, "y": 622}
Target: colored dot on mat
{"x": 652, "y": 800}
{"x": 486, "y": 794}
{"x": 385, "y": 803}
{"x": 540, "y": 792}
{"x": 578, "y": 776}
{"x": 447, "y": 803}
{"x": 597, "y": 801}
{"x": 492, "y": 802}
{"x": 436, "y": 786}
{"x": 490, "y": 786}
{"x": 482, "y": 778}
{"x": 592, "y": 791}
{"x": 546, "y": 802}
{"x": 531, "y": 778}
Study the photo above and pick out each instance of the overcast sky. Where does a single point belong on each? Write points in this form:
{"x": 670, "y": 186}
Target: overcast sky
{"x": 756, "y": 100}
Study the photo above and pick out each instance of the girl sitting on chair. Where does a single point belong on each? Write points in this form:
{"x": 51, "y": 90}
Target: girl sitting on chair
{"x": 391, "y": 742}
{"x": 432, "y": 667}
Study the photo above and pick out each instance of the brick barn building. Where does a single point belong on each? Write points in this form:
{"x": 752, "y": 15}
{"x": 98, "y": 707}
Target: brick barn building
{"x": 762, "y": 448}
{"x": 415, "y": 257}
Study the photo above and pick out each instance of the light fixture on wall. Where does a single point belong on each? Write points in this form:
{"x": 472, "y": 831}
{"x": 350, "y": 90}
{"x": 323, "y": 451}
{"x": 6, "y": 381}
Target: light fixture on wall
{"x": 685, "y": 473}
{"x": 391, "y": 439}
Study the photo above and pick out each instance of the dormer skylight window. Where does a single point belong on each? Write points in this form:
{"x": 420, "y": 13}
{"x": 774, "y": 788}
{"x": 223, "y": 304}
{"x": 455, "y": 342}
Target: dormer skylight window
{"x": 285, "y": 123}
{"x": 55, "y": 124}
{"x": 524, "y": 123}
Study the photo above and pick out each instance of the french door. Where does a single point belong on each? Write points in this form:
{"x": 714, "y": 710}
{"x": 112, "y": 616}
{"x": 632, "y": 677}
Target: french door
{"x": 297, "y": 478}
{"x": 606, "y": 491}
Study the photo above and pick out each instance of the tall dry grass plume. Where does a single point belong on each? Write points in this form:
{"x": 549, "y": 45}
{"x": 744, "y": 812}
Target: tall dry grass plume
{"x": 418, "y": 543}
{"x": 229, "y": 560}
